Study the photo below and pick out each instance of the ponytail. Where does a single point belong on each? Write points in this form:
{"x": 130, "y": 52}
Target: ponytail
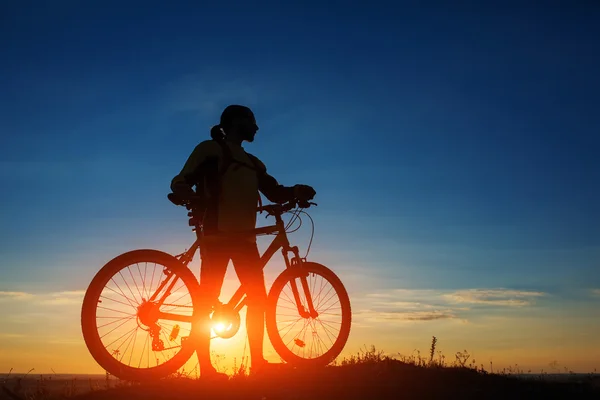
{"x": 217, "y": 133}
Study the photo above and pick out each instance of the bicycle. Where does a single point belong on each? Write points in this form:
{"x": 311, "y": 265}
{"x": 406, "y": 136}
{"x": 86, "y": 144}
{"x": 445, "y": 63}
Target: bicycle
{"x": 170, "y": 332}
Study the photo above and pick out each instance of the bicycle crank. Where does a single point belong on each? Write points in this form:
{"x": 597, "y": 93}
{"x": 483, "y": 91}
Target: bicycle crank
{"x": 225, "y": 322}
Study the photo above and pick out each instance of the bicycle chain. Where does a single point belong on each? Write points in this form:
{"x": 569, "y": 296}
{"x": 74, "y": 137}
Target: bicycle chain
{"x": 177, "y": 305}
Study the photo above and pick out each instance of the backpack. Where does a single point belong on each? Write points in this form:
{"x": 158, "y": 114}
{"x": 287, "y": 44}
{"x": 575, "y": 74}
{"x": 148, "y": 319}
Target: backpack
{"x": 210, "y": 174}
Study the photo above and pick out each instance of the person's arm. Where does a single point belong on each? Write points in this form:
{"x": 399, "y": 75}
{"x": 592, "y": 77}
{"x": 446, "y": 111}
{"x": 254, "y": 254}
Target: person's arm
{"x": 202, "y": 154}
{"x": 273, "y": 190}
{"x": 278, "y": 193}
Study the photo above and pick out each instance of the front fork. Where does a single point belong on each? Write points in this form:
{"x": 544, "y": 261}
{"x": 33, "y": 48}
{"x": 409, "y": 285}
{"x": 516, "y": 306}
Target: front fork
{"x": 297, "y": 263}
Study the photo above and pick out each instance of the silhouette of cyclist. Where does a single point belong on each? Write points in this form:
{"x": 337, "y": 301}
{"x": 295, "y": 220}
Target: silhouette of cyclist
{"x": 231, "y": 180}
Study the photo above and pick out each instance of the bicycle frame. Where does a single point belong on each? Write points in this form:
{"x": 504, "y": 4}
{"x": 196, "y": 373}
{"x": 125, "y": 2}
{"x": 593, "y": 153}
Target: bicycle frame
{"x": 238, "y": 299}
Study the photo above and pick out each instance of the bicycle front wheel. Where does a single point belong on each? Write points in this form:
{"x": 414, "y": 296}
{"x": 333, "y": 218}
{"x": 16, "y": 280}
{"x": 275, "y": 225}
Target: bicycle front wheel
{"x": 137, "y": 315}
{"x": 301, "y": 339}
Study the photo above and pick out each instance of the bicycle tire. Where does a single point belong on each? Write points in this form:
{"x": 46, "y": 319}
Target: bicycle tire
{"x": 271, "y": 318}
{"x": 89, "y": 324}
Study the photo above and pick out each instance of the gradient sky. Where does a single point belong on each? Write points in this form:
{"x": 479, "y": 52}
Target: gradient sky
{"x": 454, "y": 151}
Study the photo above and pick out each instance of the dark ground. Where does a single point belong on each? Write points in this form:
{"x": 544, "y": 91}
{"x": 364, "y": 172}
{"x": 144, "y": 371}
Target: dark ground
{"x": 389, "y": 379}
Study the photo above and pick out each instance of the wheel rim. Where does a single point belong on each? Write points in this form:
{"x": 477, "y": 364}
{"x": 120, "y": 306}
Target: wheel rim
{"x": 127, "y": 326}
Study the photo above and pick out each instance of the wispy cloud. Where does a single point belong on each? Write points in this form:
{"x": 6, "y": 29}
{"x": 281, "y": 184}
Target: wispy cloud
{"x": 428, "y": 315}
{"x": 11, "y": 335}
{"x": 497, "y": 297}
{"x": 77, "y": 293}
{"x": 413, "y": 315}
{"x": 52, "y": 298}
{"x": 63, "y": 298}
{"x": 405, "y": 293}
{"x": 595, "y": 292}
{"x": 411, "y": 305}
{"x": 12, "y": 296}
{"x": 401, "y": 305}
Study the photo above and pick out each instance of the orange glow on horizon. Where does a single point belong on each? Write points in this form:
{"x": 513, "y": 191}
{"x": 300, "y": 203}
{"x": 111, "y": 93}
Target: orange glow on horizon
{"x": 515, "y": 333}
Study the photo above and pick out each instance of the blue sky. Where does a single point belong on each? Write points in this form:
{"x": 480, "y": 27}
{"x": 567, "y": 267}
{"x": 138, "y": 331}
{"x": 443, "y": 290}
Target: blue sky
{"x": 452, "y": 147}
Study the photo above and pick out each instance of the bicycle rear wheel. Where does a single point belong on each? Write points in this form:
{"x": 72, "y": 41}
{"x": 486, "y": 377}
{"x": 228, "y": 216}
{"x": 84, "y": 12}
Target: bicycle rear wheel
{"x": 304, "y": 340}
{"x": 143, "y": 298}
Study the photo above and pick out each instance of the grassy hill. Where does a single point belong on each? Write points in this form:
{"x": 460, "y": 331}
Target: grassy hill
{"x": 372, "y": 376}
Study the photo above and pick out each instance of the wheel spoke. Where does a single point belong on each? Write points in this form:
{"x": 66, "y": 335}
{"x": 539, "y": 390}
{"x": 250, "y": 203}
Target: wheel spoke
{"x": 136, "y": 285}
{"x": 129, "y": 287}
{"x": 143, "y": 279}
{"x": 326, "y": 294}
{"x": 143, "y": 349}
{"x": 291, "y": 326}
{"x": 326, "y": 332}
{"x": 110, "y": 323}
{"x": 152, "y": 281}
{"x": 120, "y": 337}
{"x": 117, "y": 327}
{"x": 119, "y": 311}
{"x": 116, "y": 301}
{"x": 122, "y": 293}
{"x": 132, "y": 347}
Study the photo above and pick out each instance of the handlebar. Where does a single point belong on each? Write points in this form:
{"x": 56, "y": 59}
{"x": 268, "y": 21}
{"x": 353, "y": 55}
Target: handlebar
{"x": 278, "y": 209}
{"x": 189, "y": 201}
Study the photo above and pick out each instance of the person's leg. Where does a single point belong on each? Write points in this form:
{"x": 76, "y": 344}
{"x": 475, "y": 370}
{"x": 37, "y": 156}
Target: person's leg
{"x": 246, "y": 260}
{"x": 215, "y": 259}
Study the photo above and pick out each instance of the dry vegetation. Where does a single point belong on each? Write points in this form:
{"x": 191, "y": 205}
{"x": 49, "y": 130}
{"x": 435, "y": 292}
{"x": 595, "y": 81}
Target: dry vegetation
{"x": 368, "y": 374}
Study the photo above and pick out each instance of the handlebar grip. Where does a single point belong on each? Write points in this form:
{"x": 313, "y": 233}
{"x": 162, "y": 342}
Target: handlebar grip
{"x": 282, "y": 208}
{"x": 306, "y": 204}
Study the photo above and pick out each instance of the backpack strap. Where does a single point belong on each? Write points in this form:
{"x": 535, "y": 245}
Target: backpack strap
{"x": 227, "y": 157}
{"x": 259, "y": 169}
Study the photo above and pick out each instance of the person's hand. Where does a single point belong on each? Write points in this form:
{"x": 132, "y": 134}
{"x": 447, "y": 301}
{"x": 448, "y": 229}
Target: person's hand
{"x": 304, "y": 192}
{"x": 183, "y": 190}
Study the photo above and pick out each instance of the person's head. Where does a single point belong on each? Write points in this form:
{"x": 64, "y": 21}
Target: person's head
{"x": 238, "y": 124}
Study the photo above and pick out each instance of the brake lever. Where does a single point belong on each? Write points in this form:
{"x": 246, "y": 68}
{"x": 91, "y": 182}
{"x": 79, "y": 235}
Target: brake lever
{"x": 306, "y": 204}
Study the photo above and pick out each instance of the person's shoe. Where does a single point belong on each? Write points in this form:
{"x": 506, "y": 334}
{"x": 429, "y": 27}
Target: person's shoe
{"x": 263, "y": 366}
{"x": 211, "y": 374}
